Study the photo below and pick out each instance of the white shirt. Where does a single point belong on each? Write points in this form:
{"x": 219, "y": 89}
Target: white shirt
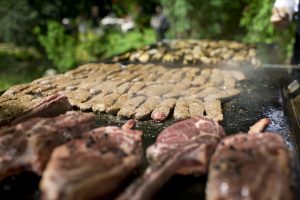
{"x": 291, "y": 5}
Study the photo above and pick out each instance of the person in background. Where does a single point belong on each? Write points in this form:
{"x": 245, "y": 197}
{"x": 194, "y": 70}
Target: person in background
{"x": 160, "y": 23}
{"x": 282, "y": 14}
{"x": 96, "y": 20}
{"x": 82, "y": 26}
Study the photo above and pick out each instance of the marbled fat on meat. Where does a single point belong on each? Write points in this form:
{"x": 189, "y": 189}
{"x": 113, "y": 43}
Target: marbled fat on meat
{"x": 94, "y": 166}
{"x": 28, "y": 145}
{"x": 184, "y": 147}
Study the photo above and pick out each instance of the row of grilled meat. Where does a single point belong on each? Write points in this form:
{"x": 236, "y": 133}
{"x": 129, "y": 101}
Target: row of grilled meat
{"x": 79, "y": 161}
{"x": 195, "y": 52}
{"x": 132, "y": 91}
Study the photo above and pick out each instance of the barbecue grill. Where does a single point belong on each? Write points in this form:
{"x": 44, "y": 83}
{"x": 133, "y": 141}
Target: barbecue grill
{"x": 263, "y": 94}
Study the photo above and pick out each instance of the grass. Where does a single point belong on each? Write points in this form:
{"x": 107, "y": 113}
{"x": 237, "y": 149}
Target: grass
{"x": 19, "y": 65}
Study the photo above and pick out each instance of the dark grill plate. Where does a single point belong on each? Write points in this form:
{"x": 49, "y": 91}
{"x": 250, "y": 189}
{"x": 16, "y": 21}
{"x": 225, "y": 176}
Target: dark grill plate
{"x": 262, "y": 96}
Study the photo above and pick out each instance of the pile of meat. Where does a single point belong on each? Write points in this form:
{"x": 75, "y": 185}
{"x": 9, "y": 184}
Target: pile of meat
{"x": 71, "y": 155}
{"x": 132, "y": 91}
{"x": 195, "y": 52}
{"x": 244, "y": 166}
{"x": 77, "y": 160}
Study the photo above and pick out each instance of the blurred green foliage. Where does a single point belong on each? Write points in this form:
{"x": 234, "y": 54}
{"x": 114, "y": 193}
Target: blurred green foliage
{"x": 17, "y": 20}
{"x": 120, "y": 43}
{"x": 60, "y": 47}
{"x": 19, "y": 65}
{"x": 35, "y": 24}
{"x": 255, "y": 21}
{"x": 246, "y": 20}
{"x": 214, "y": 19}
{"x": 178, "y": 12}
{"x": 19, "y": 17}
{"x": 67, "y": 51}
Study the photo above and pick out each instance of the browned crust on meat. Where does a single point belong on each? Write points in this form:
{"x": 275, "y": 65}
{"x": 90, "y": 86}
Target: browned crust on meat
{"x": 128, "y": 110}
{"x": 213, "y": 109}
{"x": 196, "y": 107}
{"x": 145, "y": 110}
{"x": 223, "y": 95}
{"x": 114, "y": 109}
{"x": 163, "y": 110}
{"x": 181, "y": 110}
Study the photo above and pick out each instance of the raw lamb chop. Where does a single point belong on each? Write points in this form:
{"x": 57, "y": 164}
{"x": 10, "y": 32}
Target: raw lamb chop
{"x": 250, "y": 166}
{"x": 184, "y": 147}
{"x": 92, "y": 167}
{"x": 28, "y": 145}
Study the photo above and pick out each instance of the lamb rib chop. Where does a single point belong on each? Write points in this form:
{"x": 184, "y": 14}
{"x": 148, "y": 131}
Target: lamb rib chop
{"x": 184, "y": 147}
{"x": 250, "y": 166}
{"x": 49, "y": 107}
{"x": 92, "y": 167}
{"x": 28, "y": 145}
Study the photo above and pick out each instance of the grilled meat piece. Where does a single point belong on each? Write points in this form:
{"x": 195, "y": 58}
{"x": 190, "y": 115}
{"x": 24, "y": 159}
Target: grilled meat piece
{"x": 213, "y": 109}
{"x": 181, "y": 110}
{"x": 250, "y": 166}
{"x": 177, "y": 90}
{"x": 156, "y": 90}
{"x": 128, "y": 110}
{"x": 105, "y": 102}
{"x": 144, "y": 110}
{"x": 88, "y": 103}
{"x": 163, "y": 110}
{"x": 137, "y": 86}
{"x": 47, "y": 107}
{"x": 190, "y": 91}
{"x": 167, "y": 75}
{"x": 28, "y": 145}
{"x": 239, "y": 76}
{"x": 176, "y": 76}
{"x": 202, "y": 78}
{"x": 229, "y": 81}
{"x": 118, "y": 88}
{"x": 122, "y": 88}
{"x": 106, "y": 86}
{"x": 92, "y": 167}
{"x": 206, "y": 92}
{"x": 195, "y": 51}
{"x": 114, "y": 109}
{"x": 184, "y": 147}
{"x": 216, "y": 78}
{"x": 16, "y": 89}
{"x": 78, "y": 96}
{"x": 196, "y": 107}
{"x": 223, "y": 95}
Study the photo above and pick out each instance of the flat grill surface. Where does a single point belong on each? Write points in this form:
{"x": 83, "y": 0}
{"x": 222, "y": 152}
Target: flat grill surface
{"x": 261, "y": 96}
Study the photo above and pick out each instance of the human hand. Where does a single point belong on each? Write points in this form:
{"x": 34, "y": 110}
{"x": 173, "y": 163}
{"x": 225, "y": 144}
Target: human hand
{"x": 280, "y": 18}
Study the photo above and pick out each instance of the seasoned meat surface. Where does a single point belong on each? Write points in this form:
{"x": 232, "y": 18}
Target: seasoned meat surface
{"x": 94, "y": 166}
{"x": 250, "y": 166}
{"x": 184, "y": 147}
{"x": 209, "y": 52}
{"x": 26, "y": 108}
{"x": 28, "y": 145}
{"x": 129, "y": 91}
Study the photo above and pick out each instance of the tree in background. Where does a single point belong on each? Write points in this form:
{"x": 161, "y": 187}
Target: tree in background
{"x": 17, "y": 19}
{"x": 178, "y": 12}
{"x": 246, "y": 20}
